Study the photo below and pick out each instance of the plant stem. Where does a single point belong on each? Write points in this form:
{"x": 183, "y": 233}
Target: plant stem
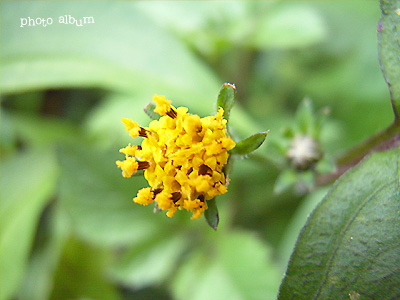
{"x": 381, "y": 141}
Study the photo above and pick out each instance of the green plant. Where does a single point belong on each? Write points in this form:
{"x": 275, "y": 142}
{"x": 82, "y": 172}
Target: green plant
{"x": 68, "y": 227}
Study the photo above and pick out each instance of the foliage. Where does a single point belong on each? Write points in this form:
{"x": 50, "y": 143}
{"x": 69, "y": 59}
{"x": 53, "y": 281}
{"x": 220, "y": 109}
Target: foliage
{"x": 66, "y": 227}
{"x": 350, "y": 242}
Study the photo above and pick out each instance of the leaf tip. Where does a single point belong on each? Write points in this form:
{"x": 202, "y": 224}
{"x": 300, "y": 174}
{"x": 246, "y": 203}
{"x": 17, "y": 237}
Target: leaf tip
{"x": 227, "y": 84}
{"x": 265, "y": 133}
{"x": 211, "y": 214}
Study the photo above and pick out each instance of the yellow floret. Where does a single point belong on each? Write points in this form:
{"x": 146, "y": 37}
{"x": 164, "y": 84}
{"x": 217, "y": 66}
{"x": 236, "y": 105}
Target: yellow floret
{"x": 128, "y": 166}
{"x": 144, "y": 196}
{"x": 163, "y": 106}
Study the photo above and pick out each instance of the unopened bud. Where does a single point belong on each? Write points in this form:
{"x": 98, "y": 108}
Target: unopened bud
{"x": 304, "y": 152}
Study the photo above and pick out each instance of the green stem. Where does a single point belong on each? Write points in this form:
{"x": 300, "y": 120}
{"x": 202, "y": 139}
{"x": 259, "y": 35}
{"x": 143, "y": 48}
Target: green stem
{"x": 386, "y": 139}
{"x": 375, "y": 142}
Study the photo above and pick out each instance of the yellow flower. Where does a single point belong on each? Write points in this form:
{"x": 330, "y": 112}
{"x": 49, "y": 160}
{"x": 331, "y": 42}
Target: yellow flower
{"x": 183, "y": 156}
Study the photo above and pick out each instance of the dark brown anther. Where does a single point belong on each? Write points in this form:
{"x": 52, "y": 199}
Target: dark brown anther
{"x": 143, "y": 132}
{"x": 139, "y": 147}
{"x": 201, "y": 198}
{"x": 189, "y": 171}
{"x": 157, "y": 191}
{"x": 205, "y": 170}
{"x": 143, "y": 165}
{"x": 176, "y": 196}
{"x": 172, "y": 113}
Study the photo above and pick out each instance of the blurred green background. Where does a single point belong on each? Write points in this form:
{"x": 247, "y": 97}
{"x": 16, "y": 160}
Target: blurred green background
{"x": 68, "y": 226}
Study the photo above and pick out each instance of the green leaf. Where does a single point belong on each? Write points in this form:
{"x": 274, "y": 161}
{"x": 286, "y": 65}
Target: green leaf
{"x": 389, "y": 49}
{"x": 236, "y": 266}
{"x": 104, "y": 121}
{"x": 125, "y": 59}
{"x": 44, "y": 131}
{"x": 99, "y": 200}
{"x": 350, "y": 243}
{"x": 27, "y": 182}
{"x": 297, "y": 222}
{"x": 150, "y": 263}
{"x": 52, "y": 236}
{"x": 85, "y": 269}
{"x": 249, "y": 144}
{"x": 226, "y": 98}
{"x": 211, "y": 214}
{"x": 290, "y": 25}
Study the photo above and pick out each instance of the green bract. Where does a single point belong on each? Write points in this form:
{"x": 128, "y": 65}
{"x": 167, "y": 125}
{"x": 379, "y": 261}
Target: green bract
{"x": 226, "y": 100}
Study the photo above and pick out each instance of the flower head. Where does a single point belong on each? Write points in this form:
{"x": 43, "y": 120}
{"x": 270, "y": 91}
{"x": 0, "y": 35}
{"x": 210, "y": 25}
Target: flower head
{"x": 183, "y": 156}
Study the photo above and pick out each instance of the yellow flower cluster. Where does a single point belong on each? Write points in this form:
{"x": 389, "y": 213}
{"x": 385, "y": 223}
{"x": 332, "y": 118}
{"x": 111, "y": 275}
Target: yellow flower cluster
{"x": 183, "y": 156}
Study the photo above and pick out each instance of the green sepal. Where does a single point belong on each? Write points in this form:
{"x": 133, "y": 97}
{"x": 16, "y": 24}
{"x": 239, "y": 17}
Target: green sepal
{"x": 138, "y": 173}
{"x": 149, "y": 110}
{"x": 211, "y": 214}
{"x": 249, "y": 144}
{"x": 226, "y": 98}
{"x": 305, "y": 117}
{"x": 320, "y": 120}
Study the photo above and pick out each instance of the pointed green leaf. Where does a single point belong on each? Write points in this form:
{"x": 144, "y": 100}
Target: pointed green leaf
{"x": 149, "y": 110}
{"x": 53, "y": 232}
{"x": 226, "y": 98}
{"x": 249, "y": 144}
{"x": 27, "y": 183}
{"x": 211, "y": 214}
{"x": 389, "y": 48}
{"x": 350, "y": 244}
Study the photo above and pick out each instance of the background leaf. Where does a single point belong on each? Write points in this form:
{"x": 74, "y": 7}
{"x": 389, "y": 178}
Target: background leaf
{"x": 236, "y": 266}
{"x": 350, "y": 243}
{"x": 389, "y": 48}
{"x": 53, "y": 233}
{"x": 99, "y": 200}
{"x": 151, "y": 262}
{"x": 24, "y": 192}
{"x": 81, "y": 273}
{"x": 290, "y": 26}
{"x": 64, "y": 55}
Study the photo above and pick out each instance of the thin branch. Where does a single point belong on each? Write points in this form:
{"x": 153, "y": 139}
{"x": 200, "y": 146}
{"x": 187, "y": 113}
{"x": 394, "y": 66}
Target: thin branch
{"x": 381, "y": 141}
